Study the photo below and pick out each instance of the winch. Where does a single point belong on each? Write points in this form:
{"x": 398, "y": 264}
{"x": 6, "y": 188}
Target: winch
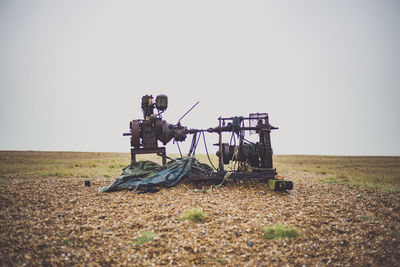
{"x": 251, "y": 159}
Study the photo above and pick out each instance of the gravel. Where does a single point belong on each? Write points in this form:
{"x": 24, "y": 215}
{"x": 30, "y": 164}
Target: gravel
{"x": 53, "y": 221}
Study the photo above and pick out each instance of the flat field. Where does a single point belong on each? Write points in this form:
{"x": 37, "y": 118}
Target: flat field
{"x": 342, "y": 211}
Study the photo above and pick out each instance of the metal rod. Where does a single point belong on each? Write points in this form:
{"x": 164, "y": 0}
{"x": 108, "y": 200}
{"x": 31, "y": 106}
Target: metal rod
{"x": 188, "y": 112}
{"x": 180, "y": 153}
{"x": 221, "y": 154}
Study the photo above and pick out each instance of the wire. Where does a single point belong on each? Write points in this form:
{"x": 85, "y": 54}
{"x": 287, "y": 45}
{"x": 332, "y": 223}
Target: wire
{"x": 208, "y": 156}
{"x": 195, "y": 147}
{"x": 179, "y": 149}
{"x": 192, "y": 145}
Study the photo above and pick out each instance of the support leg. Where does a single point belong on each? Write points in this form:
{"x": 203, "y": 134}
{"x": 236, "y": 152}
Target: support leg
{"x": 133, "y": 157}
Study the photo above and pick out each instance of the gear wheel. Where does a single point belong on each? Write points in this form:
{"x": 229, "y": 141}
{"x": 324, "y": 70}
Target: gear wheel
{"x": 135, "y": 129}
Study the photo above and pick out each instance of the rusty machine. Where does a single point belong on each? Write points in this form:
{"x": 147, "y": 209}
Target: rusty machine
{"x": 145, "y": 133}
{"x": 249, "y": 159}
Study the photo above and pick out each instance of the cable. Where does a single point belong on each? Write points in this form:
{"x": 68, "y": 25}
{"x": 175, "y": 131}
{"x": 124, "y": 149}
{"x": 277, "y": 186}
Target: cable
{"x": 179, "y": 149}
{"x": 208, "y": 156}
{"x": 192, "y": 145}
{"x": 195, "y": 147}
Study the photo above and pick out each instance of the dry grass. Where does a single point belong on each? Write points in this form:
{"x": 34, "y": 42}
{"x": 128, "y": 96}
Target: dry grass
{"x": 33, "y": 164}
{"x": 375, "y": 172}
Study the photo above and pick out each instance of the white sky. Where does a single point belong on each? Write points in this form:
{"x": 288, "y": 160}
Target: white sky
{"x": 72, "y": 73}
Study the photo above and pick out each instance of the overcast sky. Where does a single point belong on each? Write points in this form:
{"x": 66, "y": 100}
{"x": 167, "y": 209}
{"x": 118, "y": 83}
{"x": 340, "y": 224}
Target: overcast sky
{"x": 72, "y": 73}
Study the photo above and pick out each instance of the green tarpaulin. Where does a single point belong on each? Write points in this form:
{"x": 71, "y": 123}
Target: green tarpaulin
{"x": 146, "y": 174}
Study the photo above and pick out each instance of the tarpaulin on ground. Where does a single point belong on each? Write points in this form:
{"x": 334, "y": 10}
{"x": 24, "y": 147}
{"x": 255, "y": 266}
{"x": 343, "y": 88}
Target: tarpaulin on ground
{"x": 147, "y": 174}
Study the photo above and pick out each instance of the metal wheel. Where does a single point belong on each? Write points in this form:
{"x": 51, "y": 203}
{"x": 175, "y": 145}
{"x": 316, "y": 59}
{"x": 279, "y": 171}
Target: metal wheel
{"x": 135, "y": 129}
{"x": 226, "y": 153}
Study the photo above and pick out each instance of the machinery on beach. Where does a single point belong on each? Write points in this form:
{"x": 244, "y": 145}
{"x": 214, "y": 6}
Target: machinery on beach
{"x": 249, "y": 159}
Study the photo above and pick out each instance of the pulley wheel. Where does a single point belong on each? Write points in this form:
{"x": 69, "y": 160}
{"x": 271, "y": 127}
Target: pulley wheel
{"x": 135, "y": 129}
{"x": 226, "y": 153}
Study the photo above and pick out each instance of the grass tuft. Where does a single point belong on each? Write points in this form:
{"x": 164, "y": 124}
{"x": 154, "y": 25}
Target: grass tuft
{"x": 144, "y": 238}
{"x": 221, "y": 261}
{"x": 68, "y": 242}
{"x": 195, "y": 215}
{"x": 396, "y": 233}
{"x": 367, "y": 218}
{"x": 278, "y": 231}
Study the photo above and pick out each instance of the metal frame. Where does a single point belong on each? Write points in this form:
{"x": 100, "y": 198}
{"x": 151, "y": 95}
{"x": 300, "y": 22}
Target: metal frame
{"x": 160, "y": 151}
